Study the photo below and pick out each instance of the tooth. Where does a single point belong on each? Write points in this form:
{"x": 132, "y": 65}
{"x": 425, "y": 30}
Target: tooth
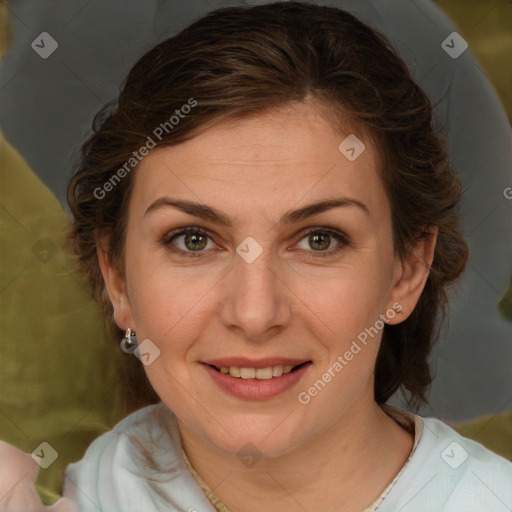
{"x": 264, "y": 373}
{"x": 234, "y": 371}
{"x": 277, "y": 370}
{"x": 247, "y": 373}
{"x": 261, "y": 373}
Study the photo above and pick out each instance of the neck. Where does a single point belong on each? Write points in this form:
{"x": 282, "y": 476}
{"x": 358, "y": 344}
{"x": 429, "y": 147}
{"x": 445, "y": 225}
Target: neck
{"x": 348, "y": 465}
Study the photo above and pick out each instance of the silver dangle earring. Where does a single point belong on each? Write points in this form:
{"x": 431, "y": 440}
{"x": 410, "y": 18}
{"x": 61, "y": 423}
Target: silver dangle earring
{"x": 129, "y": 343}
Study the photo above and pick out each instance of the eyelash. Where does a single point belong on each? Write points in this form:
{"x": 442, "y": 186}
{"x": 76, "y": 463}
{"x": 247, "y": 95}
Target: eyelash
{"x": 337, "y": 235}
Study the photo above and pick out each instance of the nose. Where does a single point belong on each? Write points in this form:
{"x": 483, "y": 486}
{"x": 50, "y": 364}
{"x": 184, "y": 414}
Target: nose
{"x": 255, "y": 299}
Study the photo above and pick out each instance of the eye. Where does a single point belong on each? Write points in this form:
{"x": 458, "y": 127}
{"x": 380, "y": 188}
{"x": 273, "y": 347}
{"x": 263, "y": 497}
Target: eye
{"x": 193, "y": 242}
{"x": 190, "y": 241}
{"x": 320, "y": 239}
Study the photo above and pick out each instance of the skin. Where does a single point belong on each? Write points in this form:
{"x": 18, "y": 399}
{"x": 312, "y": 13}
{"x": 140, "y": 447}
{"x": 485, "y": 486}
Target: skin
{"x": 340, "y": 448}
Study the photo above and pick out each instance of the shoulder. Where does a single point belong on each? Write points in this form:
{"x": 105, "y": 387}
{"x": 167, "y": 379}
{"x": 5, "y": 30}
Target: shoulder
{"x": 449, "y": 472}
{"x": 122, "y": 469}
{"x": 109, "y": 450}
{"x": 459, "y": 449}
{"x": 116, "y": 441}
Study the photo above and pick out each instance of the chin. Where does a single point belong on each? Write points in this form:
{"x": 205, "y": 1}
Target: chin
{"x": 260, "y": 439}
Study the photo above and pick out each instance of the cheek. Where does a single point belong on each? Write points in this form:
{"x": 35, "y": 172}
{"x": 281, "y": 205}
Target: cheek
{"x": 345, "y": 319}
{"x": 347, "y": 298}
{"x": 163, "y": 300}
{"x": 166, "y": 311}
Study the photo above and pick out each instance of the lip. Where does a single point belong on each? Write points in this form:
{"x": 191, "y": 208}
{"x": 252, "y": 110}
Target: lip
{"x": 256, "y": 389}
{"x": 254, "y": 363}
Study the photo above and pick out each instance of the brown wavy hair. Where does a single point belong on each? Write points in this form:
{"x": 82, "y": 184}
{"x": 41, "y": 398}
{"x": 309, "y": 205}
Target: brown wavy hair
{"x": 241, "y": 61}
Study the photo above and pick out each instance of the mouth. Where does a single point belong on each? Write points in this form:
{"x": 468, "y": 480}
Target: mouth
{"x": 262, "y": 373}
{"x": 256, "y": 380}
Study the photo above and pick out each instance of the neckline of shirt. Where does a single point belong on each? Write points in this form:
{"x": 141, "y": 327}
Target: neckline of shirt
{"x": 412, "y": 423}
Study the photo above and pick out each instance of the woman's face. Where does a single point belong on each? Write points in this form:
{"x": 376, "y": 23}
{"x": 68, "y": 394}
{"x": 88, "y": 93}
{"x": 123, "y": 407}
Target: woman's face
{"x": 270, "y": 283}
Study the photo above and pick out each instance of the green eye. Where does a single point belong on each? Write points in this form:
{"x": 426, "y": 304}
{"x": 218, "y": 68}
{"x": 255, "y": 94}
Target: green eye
{"x": 194, "y": 241}
{"x": 319, "y": 240}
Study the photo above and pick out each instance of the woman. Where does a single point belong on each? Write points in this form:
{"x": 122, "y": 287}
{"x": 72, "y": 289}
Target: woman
{"x": 270, "y": 222}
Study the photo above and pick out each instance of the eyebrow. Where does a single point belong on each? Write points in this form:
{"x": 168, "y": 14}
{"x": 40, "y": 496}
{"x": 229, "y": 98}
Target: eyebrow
{"x": 212, "y": 214}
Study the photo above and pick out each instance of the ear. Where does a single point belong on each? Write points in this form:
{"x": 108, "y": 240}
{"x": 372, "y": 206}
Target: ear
{"x": 116, "y": 287}
{"x": 410, "y": 275}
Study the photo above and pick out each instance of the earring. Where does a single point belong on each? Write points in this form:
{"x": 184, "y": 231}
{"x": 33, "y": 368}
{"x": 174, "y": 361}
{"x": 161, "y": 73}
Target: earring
{"x": 129, "y": 343}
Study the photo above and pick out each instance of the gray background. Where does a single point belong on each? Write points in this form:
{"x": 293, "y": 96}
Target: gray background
{"x": 47, "y": 105}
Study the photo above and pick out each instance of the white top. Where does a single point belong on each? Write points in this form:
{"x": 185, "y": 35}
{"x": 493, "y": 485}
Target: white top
{"x": 445, "y": 472}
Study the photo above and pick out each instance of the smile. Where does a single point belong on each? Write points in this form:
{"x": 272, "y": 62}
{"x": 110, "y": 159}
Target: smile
{"x": 269, "y": 372}
{"x": 250, "y": 383}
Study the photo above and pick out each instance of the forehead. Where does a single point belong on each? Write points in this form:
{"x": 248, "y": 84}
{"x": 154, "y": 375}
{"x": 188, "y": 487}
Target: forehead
{"x": 275, "y": 159}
